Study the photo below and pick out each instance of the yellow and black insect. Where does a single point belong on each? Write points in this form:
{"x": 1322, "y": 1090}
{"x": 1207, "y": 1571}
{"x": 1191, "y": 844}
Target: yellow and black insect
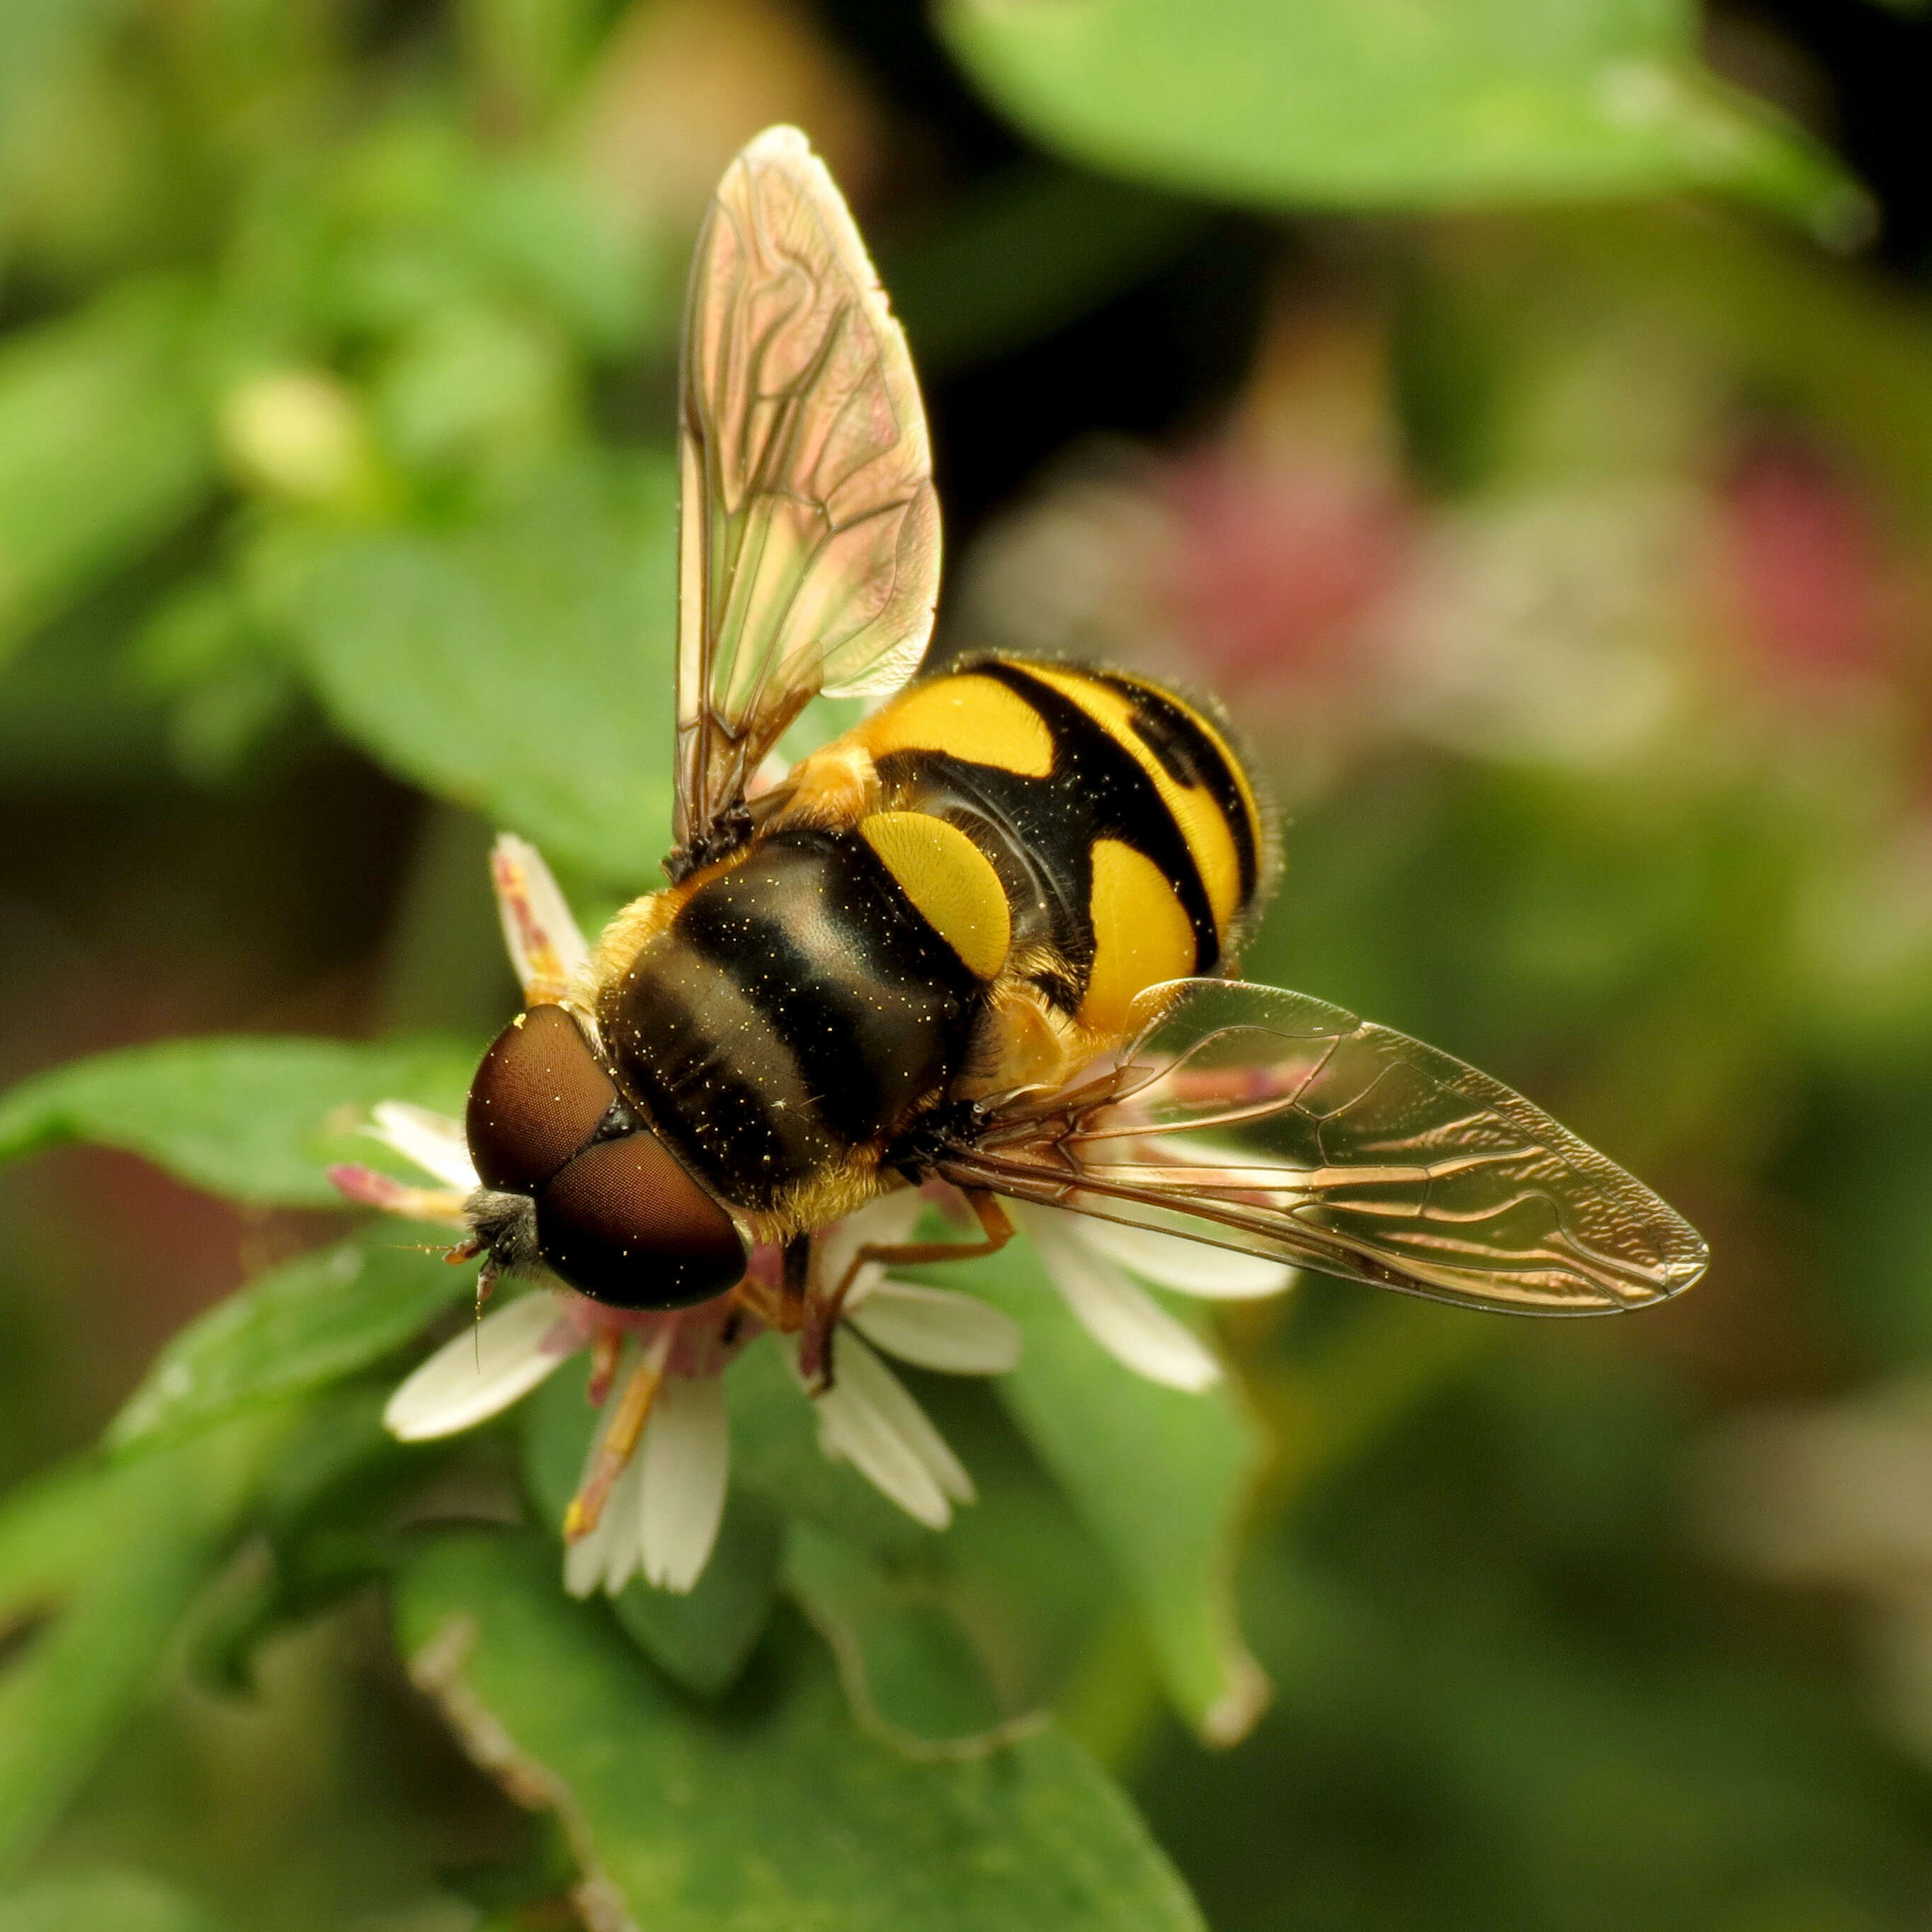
{"x": 983, "y": 937}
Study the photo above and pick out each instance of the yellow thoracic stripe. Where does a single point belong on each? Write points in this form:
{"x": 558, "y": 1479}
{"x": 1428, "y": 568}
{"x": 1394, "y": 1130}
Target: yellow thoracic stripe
{"x": 1203, "y": 825}
{"x": 976, "y": 718}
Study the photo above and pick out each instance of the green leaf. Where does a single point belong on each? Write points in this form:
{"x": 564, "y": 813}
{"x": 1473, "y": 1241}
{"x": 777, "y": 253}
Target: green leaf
{"x": 534, "y": 227}
{"x": 52, "y": 1529}
{"x": 103, "y": 446}
{"x": 1018, "y": 1567}
{"x": 1847, "y": 354}
{"x": 775, "y": 1454}
{"x": 1287, "y": 103}
{"x": 99, "y": 1901}
{"x": 327, "y": 1519}
{"x": 472, "y": 387}
{"x": 772, "y": 1814}
{"x": 257, "y": 1119}
{"x": 40, "y": 38}
{"x": 311, "y": 1321}
{"x": 521, "y": 666}
{"x": 168, "y": 1519}
{"x": 1159, "y": 1476}
{"x": 233, "y": 702}
{"x": 703, "y": 1638}
{"x": 79, "y": 1679}
{"x": 530, "y": 1889}
{"x": 910, "y": 1673}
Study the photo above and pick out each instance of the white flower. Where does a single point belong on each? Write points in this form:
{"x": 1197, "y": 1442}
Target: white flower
{"x": 1094, "y": 1263}
{"x": 652, "y": 1492}
{"x": 866, "y": 1417}
{"x": 662, "y": 1511}
{"x": 481, "y": 1372}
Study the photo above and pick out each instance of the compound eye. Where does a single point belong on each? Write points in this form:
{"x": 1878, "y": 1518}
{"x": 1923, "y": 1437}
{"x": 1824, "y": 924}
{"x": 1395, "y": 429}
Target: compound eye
{"x": 624, "y": 1224}
{"x": 537, "y": 1097}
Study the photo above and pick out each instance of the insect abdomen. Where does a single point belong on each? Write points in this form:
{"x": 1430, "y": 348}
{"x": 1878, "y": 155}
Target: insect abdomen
{"x": 1124, "y": 831}
{"x": 797, "y": 1009}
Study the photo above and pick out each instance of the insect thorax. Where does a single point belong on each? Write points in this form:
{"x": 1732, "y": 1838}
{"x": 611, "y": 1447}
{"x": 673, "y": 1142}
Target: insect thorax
{"x": 793, "y": 1016}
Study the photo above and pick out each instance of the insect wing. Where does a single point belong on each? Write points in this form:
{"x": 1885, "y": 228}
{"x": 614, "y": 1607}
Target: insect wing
{"x": 809, "y": 534}
{"x": 1275, "y": 1124}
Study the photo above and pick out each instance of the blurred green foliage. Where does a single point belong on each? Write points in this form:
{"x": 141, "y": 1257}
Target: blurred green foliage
{"x": 1331, "y": 104}
{"x": 336, "y": 348}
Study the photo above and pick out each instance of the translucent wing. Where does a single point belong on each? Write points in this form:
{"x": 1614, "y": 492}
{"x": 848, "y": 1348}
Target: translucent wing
{"x": 1266, "y": 1121}
{"x": 808, "y": 529}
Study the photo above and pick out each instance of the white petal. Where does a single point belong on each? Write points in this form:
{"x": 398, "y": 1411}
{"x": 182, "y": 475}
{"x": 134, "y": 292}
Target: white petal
{"x": 1124, "y": 1320}
{"x": 612, "y": 1548}
{"x": 881, "y": 1223}
{"x": 938, "y": 1329}
{"x": 367, "y": 1189}
{"x": 1192, "y": 1267}
{"x": 583, "y": 1560}
{"x": 479, "y": 1373}
{"x": 867, "y": 1418}
{"x": 624, "y": 1510}
{"x": 434, "y": 1142}
{"x": 685, "y": 1459}
{"x": 535, "y": 914}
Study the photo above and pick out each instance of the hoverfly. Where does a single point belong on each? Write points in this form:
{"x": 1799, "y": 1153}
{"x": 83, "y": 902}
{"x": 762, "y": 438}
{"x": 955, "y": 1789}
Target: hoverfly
{"x": 986, "y": 936}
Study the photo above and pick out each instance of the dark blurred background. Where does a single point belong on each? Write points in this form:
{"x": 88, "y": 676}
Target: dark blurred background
{"x": 1565, "y": 567}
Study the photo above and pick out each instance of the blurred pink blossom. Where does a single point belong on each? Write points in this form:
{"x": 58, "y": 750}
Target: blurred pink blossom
{"x": 1274, "y": 567}
{"x": 1813, "y": 588}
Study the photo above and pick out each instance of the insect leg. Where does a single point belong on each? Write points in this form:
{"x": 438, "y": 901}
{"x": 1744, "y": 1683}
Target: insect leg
{"x": 996, "y": 1230}
{"x": 795, "y": 1284}
{"x": 776, "y": 1297}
